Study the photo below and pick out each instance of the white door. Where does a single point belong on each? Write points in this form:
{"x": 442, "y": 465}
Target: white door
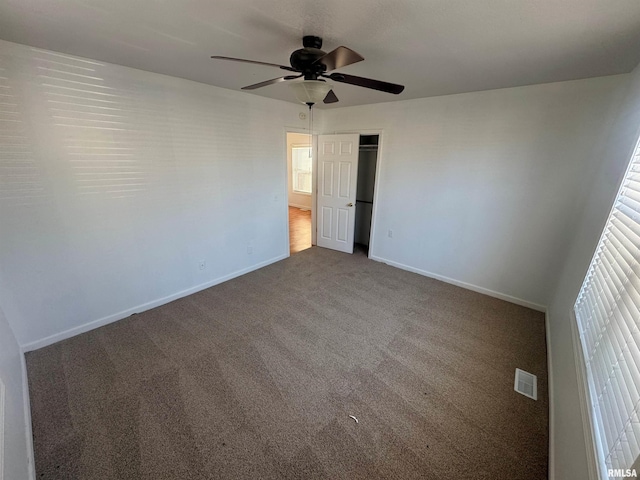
{"x": 337, "y": 179}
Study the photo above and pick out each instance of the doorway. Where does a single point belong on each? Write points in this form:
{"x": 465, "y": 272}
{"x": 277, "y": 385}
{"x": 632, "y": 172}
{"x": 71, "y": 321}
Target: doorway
{"x": 347, "y": 166}
{"x": 367, "y": 164}
{"x": 300, "y": 191}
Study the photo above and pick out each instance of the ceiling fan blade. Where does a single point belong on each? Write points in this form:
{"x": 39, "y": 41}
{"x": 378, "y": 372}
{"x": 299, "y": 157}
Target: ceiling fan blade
{"x": 217, "y": 57}
{"x": 338, "y": 58}
{"x": 330, "y": 98}
{"x": 367, "y": 83}
{"x": 269, "y": 82}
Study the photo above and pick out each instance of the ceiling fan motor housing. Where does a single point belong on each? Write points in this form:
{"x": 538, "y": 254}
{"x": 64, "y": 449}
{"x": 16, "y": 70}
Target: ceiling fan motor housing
{"x": 311, "y": 41}
{"x": 303, "y": 59}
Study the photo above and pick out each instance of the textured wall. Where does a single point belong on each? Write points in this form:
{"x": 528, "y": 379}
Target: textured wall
{"x": 116, "y": 183}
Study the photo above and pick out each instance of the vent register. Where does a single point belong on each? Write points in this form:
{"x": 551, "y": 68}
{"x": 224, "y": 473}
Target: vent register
{"x": 526, "y": 384}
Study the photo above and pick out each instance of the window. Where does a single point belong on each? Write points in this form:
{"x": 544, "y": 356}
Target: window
{"x": 301, "y": 169}
{"x": 608, "y": 316}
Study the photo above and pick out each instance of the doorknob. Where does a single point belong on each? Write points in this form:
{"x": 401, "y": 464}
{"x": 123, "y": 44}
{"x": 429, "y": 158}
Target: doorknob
{"x": 349, "y": 204}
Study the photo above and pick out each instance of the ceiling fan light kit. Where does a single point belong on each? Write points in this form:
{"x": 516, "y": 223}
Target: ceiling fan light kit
{"x": 312, "y": 63}
{"x": 310, "y": 92}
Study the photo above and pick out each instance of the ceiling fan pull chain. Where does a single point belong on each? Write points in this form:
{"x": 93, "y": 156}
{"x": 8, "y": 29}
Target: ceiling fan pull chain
{"x": 310, "y": 130}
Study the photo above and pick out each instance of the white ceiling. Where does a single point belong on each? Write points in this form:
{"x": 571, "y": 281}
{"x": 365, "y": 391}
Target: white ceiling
{"x": 434, "y": 47}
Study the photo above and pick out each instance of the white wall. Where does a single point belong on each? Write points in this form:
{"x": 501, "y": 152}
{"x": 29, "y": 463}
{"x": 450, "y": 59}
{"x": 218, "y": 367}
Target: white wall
{"x": 16, "y": 464}
{"x": 116, "y": 183}
{"x": 299, "y": 200}
{"x": 613, "y": 154}
{"x": 483, "y": 187}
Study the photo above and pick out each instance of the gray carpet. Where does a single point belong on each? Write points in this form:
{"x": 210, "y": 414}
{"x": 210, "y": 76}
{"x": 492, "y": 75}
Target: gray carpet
{"x": 256, "y": 378}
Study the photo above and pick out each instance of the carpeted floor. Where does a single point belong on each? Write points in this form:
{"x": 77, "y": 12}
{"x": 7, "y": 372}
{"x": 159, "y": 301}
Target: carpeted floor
{"x": 256, "y": 378}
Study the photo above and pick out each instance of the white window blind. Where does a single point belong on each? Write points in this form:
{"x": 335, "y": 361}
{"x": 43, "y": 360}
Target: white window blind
{"x": 608, "y": 315}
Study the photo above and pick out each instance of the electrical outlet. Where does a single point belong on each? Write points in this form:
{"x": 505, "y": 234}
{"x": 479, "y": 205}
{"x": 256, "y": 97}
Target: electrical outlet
{"x": 249, "y": 249}
{"x": 202, "y": 265}
{"x": 390, "y": 234}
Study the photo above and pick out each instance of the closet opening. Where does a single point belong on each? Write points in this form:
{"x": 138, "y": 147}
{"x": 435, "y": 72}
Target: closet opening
{"x": 367, "y": 162}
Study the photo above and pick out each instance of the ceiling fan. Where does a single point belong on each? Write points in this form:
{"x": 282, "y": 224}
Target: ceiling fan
{"x": 313, "y": 64}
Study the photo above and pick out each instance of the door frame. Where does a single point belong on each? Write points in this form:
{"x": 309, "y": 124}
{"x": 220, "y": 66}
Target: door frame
{"x": 376, "y": 183}
{"x": 314, "y": 181}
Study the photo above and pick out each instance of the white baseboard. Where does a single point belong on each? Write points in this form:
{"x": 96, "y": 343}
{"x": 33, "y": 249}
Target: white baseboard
{"x": 57, "y": 337}
{"x": 27, "y": 418}
{"x": 458, "y": 283}
{"x": 551, "y": 460}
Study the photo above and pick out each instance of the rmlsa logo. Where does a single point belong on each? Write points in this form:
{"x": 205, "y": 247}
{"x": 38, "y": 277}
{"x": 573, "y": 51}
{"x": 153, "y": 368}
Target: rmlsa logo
{"x": 622, "y": 473}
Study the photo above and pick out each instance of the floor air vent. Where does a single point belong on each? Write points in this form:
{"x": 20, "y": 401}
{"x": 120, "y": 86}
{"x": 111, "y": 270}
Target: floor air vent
{"x": 526, "y": 384}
